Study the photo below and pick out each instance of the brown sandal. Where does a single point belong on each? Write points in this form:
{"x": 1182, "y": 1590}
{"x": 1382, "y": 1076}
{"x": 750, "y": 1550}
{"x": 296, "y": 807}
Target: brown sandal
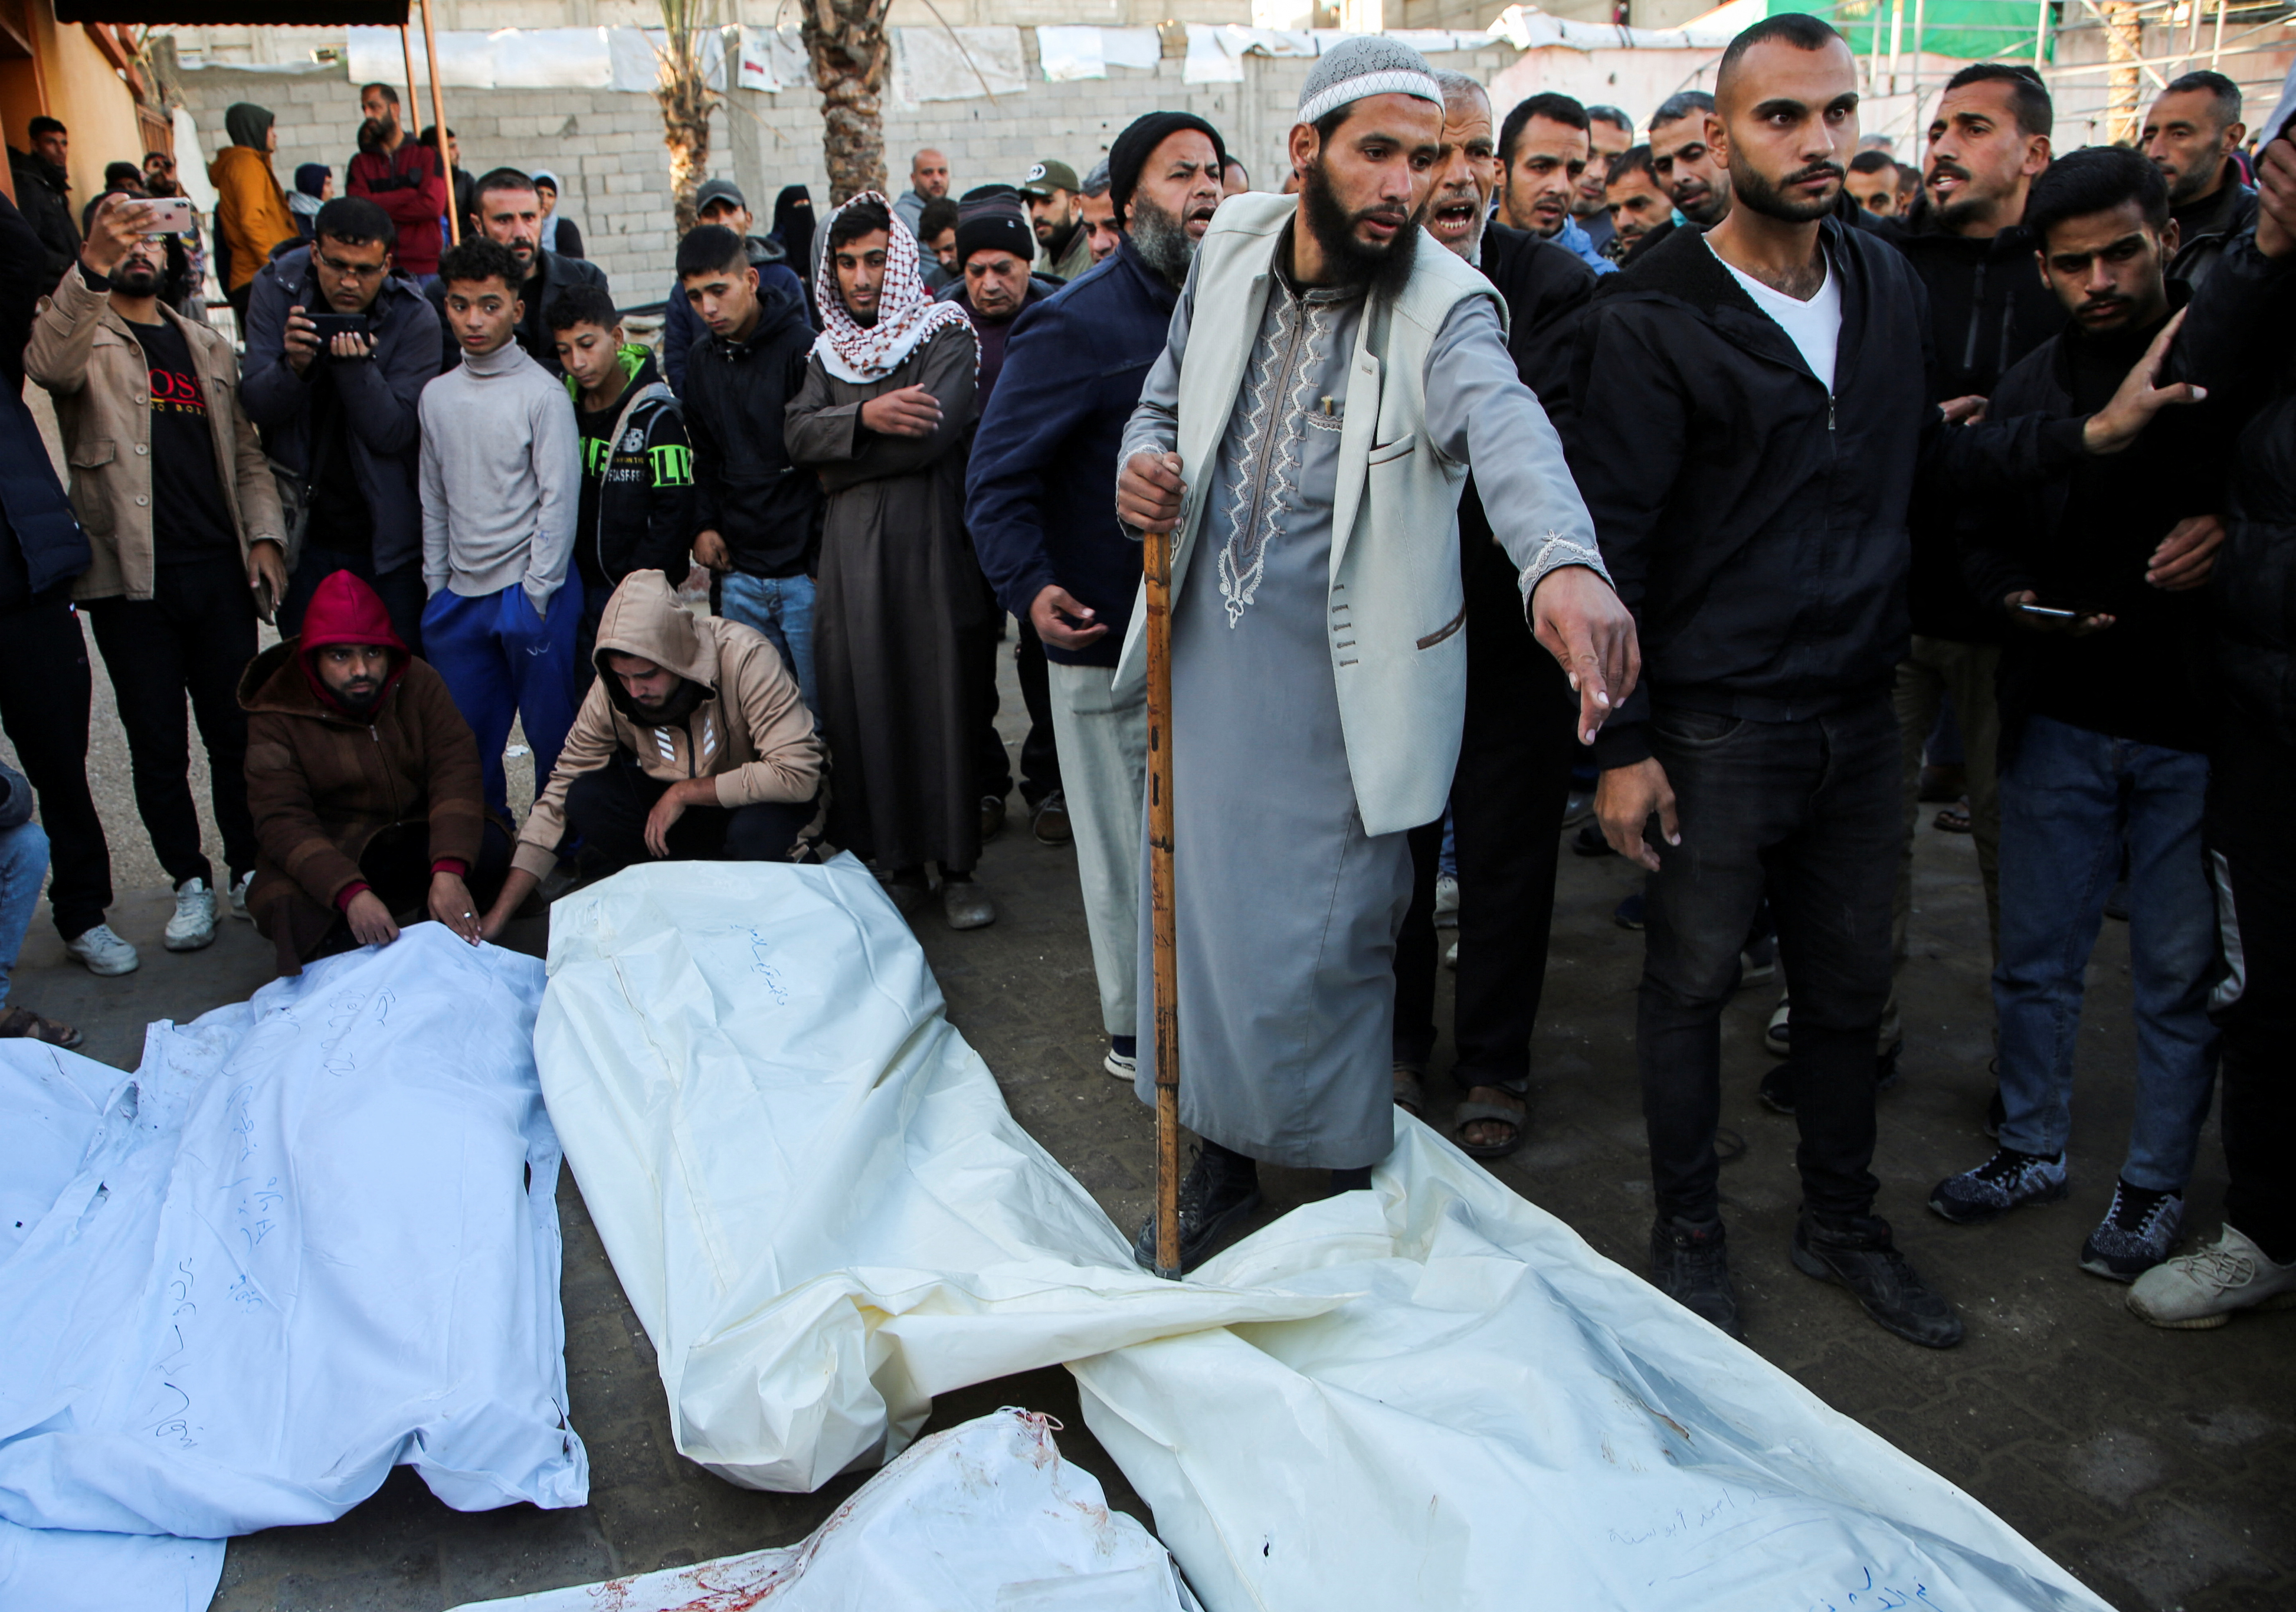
{"x": 1955, "y": 819}
{"x": 23, "y": 1023}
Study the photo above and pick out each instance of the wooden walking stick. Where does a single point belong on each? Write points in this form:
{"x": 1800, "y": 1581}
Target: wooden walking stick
{"x": 1156, "y": 557}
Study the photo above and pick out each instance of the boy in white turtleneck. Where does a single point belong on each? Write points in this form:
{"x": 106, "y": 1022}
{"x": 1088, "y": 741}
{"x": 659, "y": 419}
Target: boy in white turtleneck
{"x": 501, "y": 489}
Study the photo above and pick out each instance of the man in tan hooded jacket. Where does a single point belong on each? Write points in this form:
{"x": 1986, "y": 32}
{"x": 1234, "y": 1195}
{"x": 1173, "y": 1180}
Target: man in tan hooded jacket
{"x": 693, "y": 744}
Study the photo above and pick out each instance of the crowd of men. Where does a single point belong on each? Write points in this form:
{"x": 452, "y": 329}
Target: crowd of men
{"x": 1727, "y": 457}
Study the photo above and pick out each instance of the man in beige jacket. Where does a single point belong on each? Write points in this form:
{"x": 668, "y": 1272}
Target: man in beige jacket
{"x": 183, "y": 521}
{"x": 693, "y": 744}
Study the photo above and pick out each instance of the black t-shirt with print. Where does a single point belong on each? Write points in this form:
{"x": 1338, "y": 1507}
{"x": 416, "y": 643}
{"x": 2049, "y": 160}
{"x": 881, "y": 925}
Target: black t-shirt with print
{"x": 189, "y": 520}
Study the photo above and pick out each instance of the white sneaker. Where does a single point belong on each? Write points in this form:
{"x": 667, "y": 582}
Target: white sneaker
{"x": 193, "y": 925}
{"x": 104, "y": 952}
{"x": 239, "y": 896}
{"x": 2202, "y": 1289}
{"x": 1446, "y": 901}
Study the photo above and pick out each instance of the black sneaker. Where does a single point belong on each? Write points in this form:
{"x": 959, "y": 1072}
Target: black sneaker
{"x": 1691, "y": 1266}
{"x": 1628, "y": 914}
{"x": 1220, "y": 1189}
{"x": 2009, "y": 1180}
{"x": 1777, "y": 1089}
{"x": 1855, "y": 1251}
{"x": 2137, "y": 1233}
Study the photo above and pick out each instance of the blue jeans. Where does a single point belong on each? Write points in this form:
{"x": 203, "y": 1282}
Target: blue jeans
{"x": 23, "y": 864}
{"x": 781, "y": 608}
{"x": 501, "y": 660}
{"x": 2067, "y": 800}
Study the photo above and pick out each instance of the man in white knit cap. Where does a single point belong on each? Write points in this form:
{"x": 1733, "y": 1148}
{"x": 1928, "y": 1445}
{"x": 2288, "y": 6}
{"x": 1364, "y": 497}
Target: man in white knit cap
{"x": 1331, "y": 375}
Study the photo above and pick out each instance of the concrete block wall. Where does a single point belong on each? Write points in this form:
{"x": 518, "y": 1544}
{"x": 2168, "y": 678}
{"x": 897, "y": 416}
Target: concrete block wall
{"x": 606, "y": 145}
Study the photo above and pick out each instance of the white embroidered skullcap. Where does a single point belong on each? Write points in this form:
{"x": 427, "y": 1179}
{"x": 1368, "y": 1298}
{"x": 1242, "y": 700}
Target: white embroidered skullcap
{"x": 1369, "y": 64}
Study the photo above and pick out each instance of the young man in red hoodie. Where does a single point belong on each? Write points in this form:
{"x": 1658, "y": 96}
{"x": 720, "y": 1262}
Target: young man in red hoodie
{"x": 364, "y": 784}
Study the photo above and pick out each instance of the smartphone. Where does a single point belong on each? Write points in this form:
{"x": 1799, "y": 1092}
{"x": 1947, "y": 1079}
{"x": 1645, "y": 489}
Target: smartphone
{"x": 170, "y": 216}
{"x": 330, "y": 325}
{"x": 2050, "y": 613}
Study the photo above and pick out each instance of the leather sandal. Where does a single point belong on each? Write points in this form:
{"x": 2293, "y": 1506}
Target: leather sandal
{"x": 22, "y": 1023}
{"x": 1411, "y": 1089}
{"x": 1466, "y": 1114}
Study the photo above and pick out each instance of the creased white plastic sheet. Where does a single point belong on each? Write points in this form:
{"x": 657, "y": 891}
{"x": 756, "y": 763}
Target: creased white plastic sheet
{"x": 816, "y": 1200}
{"x": 810, "y": 1186}
{"x": 983, "y": 1518}
{"x": 1498, "y": 1407}
{"x": 312, "y": 1236}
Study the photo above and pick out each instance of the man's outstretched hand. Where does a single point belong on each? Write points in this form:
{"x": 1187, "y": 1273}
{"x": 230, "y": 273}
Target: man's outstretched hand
{"x": 1064, "y": 621}
{"x": 1582, "y": 622}
{"x": 2140, "y": 397}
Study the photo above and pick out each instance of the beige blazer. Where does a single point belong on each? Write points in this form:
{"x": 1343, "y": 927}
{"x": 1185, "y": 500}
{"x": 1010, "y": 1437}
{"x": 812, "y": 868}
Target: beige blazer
{"x": 92, "y": 364}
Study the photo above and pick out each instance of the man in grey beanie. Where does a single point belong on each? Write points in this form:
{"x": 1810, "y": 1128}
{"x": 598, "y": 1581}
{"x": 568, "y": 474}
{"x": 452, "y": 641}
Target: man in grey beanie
{"x": 1329, "y": 375}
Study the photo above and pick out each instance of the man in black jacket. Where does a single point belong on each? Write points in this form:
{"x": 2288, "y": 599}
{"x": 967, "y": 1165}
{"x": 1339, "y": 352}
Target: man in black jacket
{"x": 2105, "y": 725}
{"x": 2190, "y": 135}
{"x": 1988, "y": 308}
{"x": 44, "y": 193}
{"x": 1519, "y": 743}
{"x": 508, "y": 212}
{"x": 45, "y": 686}
{"x": 637, "y": 463}
{"x": 721, "y": 202}
{"x": 2240, "y": 337}
{"x": 757, "y": 517}
{"x": 340, "y": 414}
{"x": 1038, "y": 487}
{"x": 1748, "y": 412}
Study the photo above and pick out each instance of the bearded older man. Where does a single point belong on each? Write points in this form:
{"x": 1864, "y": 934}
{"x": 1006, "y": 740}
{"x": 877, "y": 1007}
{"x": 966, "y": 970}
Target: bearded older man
{"x": 1328, "y": 377}
{"x": 1037, "y": 498}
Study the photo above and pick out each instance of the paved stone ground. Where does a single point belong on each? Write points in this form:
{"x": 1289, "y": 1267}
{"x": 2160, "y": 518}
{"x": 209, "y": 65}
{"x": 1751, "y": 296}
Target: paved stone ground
{"x": 2152, "y": 1464}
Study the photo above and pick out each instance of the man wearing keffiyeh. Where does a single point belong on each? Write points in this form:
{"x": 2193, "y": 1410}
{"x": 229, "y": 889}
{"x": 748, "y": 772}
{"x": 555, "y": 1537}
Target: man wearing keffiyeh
{"x": 887, "y": 399}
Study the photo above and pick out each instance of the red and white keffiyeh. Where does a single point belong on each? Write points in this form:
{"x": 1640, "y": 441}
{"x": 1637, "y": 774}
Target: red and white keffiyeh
{"x": 907, "y": 313}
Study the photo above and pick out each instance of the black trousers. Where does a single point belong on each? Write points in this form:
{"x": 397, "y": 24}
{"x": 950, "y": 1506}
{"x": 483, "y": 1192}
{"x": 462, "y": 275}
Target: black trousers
{"x": 194, "y": 635}
{"x": 1507, "y": 798}
{"x": 608, "y": 809}
{"x": 1040, "y": 761}
{"x": 2253, "y": 861}
{"x": 401, "y": 589}
{"x": 1808, "y": 810}
{"x": 44, "y": 689}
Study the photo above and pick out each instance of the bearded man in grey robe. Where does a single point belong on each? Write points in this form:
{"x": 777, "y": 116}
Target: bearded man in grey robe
{"x": 1330, "y": 376}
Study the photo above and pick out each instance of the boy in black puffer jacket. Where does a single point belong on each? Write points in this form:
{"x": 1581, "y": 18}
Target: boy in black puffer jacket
{"x": 638, "y": 500}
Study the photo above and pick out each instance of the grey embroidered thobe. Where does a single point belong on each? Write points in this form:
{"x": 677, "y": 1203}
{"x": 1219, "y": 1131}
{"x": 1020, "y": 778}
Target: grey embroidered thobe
{"x": 1286, "y": 910}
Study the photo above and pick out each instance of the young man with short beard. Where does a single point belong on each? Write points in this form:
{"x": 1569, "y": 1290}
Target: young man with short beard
{"x": 1639, "y": 203}
{"x": 1516, "y": 746}
{"x": 1328, "y": 375}
{"x": 1609, "y": 133}
{"x": 1544, "y": 152}
{"x": 1695, "y": 182}
{"x": 1100, "y": 229}
{"x": 1749, "y": 415}
{"x": 2105, "y": 727}
{"x": 1036, "y": 497}
{"x": 171, "y": 485}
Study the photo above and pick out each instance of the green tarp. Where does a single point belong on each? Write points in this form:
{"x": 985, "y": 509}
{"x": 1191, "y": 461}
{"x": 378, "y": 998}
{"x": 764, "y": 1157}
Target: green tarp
{"x": 1973, "y": 30}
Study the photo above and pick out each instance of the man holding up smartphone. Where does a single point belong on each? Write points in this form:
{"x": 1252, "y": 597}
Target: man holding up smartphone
{"x": 170, "y": 484}
{"x": 2105, "y": 722}
{"x": 339, "y": 346}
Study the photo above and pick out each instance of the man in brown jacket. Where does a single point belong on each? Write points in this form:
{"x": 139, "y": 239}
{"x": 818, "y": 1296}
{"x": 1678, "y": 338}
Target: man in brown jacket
{"x": 365, "y": 783}
{"x": 182, "y": 518}
{"x": 692, "y": 744}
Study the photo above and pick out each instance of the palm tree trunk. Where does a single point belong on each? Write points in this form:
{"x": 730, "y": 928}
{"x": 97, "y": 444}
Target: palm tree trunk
{"x": 686, "y": 100}
{"x": 850, "y": 52}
